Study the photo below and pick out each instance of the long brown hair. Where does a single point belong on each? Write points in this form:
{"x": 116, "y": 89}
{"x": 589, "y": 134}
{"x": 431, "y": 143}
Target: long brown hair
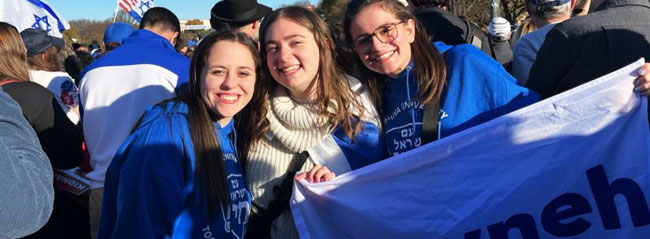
{"x": 429, "y": 64}
{"x": 51, "y": 61}
{"x": 207, "y": 150}
{"x": 13, "y": 54}
{"x": 335, "y": 98}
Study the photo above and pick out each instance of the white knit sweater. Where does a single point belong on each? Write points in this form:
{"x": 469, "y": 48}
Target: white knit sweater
{"x": 294, "y": 128}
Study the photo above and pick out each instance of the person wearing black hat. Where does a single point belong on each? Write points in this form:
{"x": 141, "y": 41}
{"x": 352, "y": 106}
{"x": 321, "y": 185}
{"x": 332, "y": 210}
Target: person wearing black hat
{"x": 240, "y": 15}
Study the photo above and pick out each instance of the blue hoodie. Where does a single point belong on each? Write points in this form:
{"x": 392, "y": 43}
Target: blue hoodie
{"x": 341, "y": 154}
{"x": 477, "y": 90}
{"x": 150, "y": 189}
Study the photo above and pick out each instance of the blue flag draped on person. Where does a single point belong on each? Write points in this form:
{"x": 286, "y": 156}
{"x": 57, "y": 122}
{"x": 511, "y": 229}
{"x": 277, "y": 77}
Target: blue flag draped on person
{"x": 135, "y": 8}
{"x": 36, "y": 14}
{"x": 575, "y": 165}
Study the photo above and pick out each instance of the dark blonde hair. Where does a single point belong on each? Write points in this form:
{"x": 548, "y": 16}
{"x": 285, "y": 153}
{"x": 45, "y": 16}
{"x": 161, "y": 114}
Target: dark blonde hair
{"x": 429, "y": 64}
{"x": 51, "y": 61}
{"x": 333, "y": 88}
{"x": 13, "y": 54}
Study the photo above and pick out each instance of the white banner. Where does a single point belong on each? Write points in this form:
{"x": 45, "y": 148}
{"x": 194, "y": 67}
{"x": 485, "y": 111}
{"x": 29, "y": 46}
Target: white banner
{"x": 37, "y": 14}
{"x": 575, "y": 165}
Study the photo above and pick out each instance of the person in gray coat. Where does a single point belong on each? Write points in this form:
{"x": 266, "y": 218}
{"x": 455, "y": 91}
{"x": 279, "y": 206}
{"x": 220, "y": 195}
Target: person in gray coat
{"x": 614, "y": 34}
{"x": 26, "y": 176}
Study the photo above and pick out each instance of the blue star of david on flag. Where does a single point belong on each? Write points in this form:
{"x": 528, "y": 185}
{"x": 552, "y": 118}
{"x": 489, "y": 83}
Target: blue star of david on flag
{"x": 37, "y": 24}
{"x": 144, "y": 6}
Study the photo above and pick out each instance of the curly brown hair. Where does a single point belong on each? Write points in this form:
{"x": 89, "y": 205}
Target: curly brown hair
{"x": 48, "y": 60}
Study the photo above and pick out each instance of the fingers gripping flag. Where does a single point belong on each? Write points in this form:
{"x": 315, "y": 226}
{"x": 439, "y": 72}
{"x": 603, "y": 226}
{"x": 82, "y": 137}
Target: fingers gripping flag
{"x": 572, "y": 166}
{"x": 37, "y": 14}
{"x": 135, "y": 8}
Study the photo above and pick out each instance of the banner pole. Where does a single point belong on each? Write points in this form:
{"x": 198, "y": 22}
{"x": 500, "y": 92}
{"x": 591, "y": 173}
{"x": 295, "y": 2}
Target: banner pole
{"x": 116, "y": 9}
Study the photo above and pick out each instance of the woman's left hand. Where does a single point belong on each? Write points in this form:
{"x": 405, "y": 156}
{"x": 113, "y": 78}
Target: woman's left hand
{"x": 642, "y": 83}
{"x": 316, "y": 175}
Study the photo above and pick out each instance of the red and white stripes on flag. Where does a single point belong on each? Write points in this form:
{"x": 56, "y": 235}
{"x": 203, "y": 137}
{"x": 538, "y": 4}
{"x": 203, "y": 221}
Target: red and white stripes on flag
{"x": 135, "y": 8}
{"x": 127, "y": 5}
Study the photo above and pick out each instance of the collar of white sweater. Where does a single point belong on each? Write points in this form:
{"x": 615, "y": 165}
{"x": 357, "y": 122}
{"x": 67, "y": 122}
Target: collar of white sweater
{"x": 297, "y": 126}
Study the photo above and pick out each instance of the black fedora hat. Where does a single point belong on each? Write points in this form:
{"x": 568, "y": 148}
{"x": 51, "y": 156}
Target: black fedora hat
{"x": 239, "y": 11}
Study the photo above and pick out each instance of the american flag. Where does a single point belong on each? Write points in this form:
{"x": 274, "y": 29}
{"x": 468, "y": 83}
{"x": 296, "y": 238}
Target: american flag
{"x": 135, "y": 8}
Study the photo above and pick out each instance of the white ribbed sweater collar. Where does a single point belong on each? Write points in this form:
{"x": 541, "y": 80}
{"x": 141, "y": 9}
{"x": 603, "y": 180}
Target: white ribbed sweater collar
{"x": 297, "y": 126}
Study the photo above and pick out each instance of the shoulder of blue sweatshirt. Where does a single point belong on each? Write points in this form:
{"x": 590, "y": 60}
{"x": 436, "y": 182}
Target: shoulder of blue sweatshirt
{"x": 340, "y": 153}
{"x": 478, "y": 89}
{"x": 150, "y": 160}
{"x": 150, "y": 189}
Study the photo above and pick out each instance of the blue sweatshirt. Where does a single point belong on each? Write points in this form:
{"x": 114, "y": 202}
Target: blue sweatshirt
{"x": 477, "y": 90}
{"x": 341, "y": 154}
{"x": 150, "y": 189}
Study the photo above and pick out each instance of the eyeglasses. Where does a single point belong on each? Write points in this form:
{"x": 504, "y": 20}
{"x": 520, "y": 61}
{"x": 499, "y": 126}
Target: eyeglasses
{"x": 385, "y": 34}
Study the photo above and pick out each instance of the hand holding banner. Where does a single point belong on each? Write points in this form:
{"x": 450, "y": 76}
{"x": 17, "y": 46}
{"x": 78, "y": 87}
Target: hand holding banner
{"x": 574, "y": 165}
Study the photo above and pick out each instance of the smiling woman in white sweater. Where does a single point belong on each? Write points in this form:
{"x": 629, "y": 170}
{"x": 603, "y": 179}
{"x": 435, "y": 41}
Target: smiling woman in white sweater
{"x": 312, "y": 107}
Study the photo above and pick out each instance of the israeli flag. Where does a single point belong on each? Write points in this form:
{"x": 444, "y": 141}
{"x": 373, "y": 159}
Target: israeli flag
{"x": 135, "y": 8}
{"x": 36, "y": 14}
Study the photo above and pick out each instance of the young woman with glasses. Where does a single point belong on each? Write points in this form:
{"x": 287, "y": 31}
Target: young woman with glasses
{"x": 407, "y": 72}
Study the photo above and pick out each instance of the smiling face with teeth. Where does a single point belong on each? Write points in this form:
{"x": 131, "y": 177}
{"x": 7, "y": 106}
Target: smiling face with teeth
{"x": 292, "y": 57}
{"x": 227, "y": 79}
{"x": 390, "y": 58}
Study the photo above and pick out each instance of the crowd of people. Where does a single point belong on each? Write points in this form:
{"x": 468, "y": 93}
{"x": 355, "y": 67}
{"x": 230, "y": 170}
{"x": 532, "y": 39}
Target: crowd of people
{"x": 209, "y": 146}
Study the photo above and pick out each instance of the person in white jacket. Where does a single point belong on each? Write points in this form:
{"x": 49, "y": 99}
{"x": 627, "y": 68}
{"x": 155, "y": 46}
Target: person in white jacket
{"x": 117, "y": 88}
{"x": 45, "y": 63}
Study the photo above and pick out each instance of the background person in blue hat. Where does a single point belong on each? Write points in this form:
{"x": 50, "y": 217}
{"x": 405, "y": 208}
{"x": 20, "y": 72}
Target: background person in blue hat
{"x": 240, "y": 15}
{"x": 115, "y": 34}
